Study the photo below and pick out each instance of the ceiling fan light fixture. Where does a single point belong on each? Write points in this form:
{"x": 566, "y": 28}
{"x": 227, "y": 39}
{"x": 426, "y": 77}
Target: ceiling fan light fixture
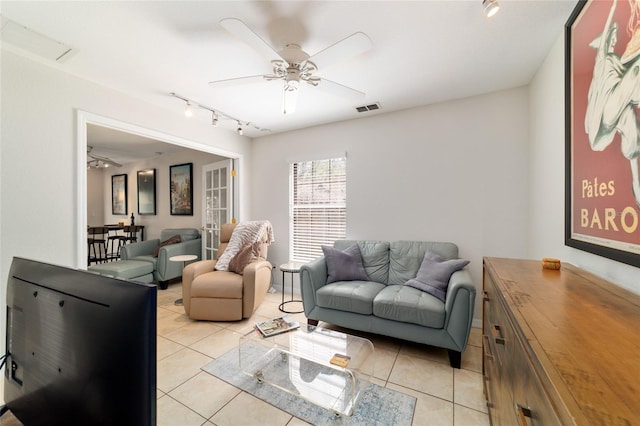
{"x": 289, "y": 100}
{"x": 292, "y": 79}
{"x": 491, "y": 7}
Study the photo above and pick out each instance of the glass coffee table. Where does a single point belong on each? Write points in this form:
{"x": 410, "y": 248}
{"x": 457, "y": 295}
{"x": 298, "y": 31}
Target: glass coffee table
{"x": 300, "y": 362}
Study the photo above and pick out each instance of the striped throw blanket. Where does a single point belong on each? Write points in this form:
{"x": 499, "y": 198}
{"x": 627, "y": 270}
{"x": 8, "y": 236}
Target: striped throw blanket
{"x": 244, "y": 233}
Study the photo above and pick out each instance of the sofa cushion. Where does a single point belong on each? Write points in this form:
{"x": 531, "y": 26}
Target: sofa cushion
{"x": 148, "y": 258}
{"x": 405, "y": 257}
{"x": 350, "y": 296}
{"x": 344, "y": 265}
{"x": 407, "y": 304}
{"x": 217, "y": 284}
{"x": 375, "y": 257}
{"x": 130, "y": 269}
{"x": 434, "y": 274}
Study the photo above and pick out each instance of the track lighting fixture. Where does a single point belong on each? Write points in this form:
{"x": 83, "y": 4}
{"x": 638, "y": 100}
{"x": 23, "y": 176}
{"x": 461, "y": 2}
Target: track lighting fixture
{"x": 491, "y": 7}
{"x": 97, "y": 164}
{"x": 188, "y": 110}
{"x": 216, "y": 115}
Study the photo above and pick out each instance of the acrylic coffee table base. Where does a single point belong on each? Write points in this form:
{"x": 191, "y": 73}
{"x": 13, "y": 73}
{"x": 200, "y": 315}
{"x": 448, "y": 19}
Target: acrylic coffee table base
{"x": 298, "y": 362}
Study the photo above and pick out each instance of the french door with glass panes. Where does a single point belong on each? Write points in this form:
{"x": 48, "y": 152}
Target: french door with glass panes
{"x": 217, "y": 185}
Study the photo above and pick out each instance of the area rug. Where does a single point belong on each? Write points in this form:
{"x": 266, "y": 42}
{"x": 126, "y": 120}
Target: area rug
{"x": 376, "y": 405}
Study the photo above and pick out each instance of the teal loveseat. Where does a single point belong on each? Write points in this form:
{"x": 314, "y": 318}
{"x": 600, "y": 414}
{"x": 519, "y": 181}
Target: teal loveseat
{"x": 384, "y": 305}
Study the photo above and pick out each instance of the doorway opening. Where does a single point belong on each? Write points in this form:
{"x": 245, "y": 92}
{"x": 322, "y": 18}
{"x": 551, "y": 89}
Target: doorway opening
{"x": 84, "y": 119}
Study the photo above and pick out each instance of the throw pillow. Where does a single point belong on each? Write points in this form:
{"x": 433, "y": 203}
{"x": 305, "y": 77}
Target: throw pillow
{"x": 172, "y": 240}
{"x": 248, "y": 253}
{"x": 344, "y": 265}
{"x": 434, "y": 274}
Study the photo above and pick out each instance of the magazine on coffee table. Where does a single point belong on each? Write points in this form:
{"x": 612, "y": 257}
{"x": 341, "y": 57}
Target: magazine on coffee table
{"x": 276, "y": 326}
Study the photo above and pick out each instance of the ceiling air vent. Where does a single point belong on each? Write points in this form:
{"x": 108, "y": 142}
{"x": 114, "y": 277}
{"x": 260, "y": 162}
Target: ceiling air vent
{"x": 33, "y": 42}
{"x": 371, "y": 107}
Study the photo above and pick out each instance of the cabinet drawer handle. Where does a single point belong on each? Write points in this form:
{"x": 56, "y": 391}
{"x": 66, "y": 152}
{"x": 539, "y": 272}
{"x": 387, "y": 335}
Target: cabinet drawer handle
{"x": 485, "y": 296}
{"x": 523, "y": 414}
{"x": 497, "y": 334}
{"x": 486, "y": 346}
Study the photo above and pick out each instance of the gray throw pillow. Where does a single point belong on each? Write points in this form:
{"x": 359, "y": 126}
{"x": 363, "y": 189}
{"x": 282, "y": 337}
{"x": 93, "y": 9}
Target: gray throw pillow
{"x": 434, "y": 274}
{"x": 344, "y": 265}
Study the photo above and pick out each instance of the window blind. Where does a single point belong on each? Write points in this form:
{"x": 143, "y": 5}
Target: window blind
{"x": 318, "y": 206}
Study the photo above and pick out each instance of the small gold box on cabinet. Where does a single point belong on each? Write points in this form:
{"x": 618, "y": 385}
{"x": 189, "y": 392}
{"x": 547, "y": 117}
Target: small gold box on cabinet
{"x": 550, "y": 263}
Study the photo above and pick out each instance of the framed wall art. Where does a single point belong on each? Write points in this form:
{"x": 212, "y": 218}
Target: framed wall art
{"x": 119, "y": 195}
{"x": 181, "y": 189}
{"x": 147, "y": 192}
{"x": 602, "y": 83}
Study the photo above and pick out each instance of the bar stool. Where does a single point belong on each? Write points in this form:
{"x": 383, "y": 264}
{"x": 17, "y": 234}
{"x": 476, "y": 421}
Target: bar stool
{"x": 96, "y": 241}
{"x": 114, "y": 241}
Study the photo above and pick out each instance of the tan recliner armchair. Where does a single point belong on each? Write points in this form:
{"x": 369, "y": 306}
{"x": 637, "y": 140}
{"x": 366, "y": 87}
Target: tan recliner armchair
{"x": 223, "y": 295}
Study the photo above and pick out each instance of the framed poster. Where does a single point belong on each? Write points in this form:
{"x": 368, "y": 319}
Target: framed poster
{"x": 147, "y": 192}
{"x": 119, "y": 195}
{"x": 181, "y": 189}
{"x": 602, "y": 83}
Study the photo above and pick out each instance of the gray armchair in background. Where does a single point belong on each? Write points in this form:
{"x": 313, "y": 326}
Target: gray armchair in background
{"x": 163, "y": 269}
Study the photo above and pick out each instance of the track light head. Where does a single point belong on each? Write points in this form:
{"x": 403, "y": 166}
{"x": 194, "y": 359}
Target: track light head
{"x": 188, "y": 110}
{"x": 491, "y": 7}
{"x": 239, "y": 130}
{"x": 214, "y": 119}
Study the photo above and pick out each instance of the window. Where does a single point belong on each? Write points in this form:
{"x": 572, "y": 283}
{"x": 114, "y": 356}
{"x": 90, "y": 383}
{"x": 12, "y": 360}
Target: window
{"x": 317, "y": 206}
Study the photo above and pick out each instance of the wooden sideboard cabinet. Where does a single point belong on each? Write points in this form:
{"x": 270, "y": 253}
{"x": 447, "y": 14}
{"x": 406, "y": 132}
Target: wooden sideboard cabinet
{"x": 560, "y": 347}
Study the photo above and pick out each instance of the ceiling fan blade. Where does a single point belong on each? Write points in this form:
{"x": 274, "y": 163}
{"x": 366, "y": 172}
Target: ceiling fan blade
{"x": 346, "y": 48}
{"x": 289, "y": 101}
{"x": 338, "y": 89}
{"x": 238, "y": 81}
{"x": 247, "y": 35}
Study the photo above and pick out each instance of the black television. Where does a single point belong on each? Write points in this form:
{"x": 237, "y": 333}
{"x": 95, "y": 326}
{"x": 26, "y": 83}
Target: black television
{"x": 80, "y": 347}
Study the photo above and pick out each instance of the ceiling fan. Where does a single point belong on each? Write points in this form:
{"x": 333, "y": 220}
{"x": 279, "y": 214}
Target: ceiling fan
{"x": 294, "y": 66}
{"x": 97, "y": 161}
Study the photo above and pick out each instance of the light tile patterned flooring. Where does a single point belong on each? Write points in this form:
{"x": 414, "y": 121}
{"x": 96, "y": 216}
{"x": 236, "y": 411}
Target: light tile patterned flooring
{"x": 189, "y": 396}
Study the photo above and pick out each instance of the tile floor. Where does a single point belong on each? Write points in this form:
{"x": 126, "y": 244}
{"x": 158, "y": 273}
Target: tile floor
{"x": 189, "y": 396}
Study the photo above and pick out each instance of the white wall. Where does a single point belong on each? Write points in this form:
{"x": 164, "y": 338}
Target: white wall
{"x": 96, "y": 196}
{"x": 39, "y": 186}
{"x": 546, "y": 228}
{"x": 153, "y": 224}
{"x": 455, "y": 171}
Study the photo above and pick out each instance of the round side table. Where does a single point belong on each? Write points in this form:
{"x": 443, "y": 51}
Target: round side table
{"x": 290, "y": 268}
{"x": 184, "y": 258}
